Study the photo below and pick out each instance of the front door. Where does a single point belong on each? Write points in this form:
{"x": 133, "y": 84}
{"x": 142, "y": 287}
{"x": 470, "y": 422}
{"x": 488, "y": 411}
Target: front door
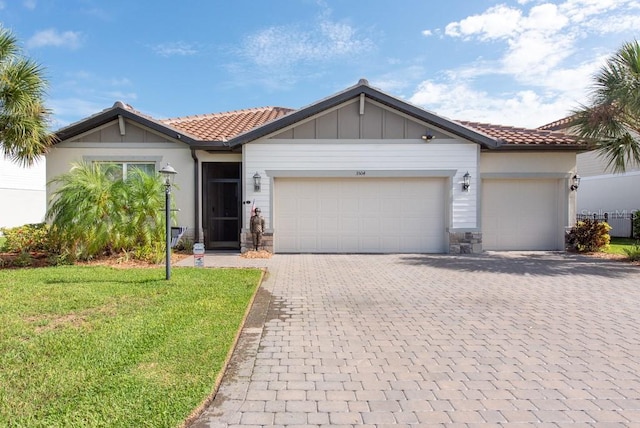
{"x": 222, "y": 213}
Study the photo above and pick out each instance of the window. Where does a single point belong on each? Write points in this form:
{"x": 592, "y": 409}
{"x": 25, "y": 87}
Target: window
{"x": 119, "y": 170}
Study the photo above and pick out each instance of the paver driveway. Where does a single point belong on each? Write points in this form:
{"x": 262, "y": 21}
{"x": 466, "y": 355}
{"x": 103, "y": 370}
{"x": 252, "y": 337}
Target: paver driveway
{"x": 495, "y": 339}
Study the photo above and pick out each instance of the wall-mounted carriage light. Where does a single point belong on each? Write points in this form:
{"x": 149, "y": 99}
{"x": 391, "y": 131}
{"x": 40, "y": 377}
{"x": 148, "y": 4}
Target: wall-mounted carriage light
{"x": 575, "y": 182}
{"x": 466, "y": 183}
{"x": 427, "y": 136}
{"x": 256, "y": 182}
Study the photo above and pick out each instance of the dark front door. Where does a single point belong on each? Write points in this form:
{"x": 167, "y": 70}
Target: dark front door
{"x": 222, "y": 213}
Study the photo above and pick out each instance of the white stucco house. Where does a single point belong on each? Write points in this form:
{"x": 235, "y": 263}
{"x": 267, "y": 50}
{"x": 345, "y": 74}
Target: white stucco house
{"x": 360, "y": 171}
{"x": 22, "y": 193}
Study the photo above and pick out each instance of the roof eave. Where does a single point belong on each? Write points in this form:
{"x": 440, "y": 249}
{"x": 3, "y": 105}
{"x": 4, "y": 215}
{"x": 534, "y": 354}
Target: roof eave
{"x": 218, "y": 146}
{"x": 112, "y": 114}
{"x": 375, "y": 95}
{"x": 540, "y": 148}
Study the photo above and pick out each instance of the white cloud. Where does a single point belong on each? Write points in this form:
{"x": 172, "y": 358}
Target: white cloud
{"x": 544, "y": 56}
{"x": 84, "y": 93}
{"x": 282, "y": 46}
{"x": 497, "y": 22}
{"x": 53, "y": 37}
{"x": 175, "y": 49}
{"x": 427, "y": 33}
{"x": 72, "y": 109}
{"x": 460, "y": 101}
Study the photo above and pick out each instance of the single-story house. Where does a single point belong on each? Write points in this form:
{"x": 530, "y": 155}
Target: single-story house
{"x": 360, "y": 171}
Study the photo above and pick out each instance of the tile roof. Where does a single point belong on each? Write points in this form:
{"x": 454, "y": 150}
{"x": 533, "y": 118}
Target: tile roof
{"x": 223, "y": 126}
{"x": 558, "y": 125}
{"x": 523, "y": 137}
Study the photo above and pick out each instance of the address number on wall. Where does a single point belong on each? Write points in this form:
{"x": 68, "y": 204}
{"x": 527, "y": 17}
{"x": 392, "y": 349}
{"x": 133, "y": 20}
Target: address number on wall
{"x": 360, "y": 173}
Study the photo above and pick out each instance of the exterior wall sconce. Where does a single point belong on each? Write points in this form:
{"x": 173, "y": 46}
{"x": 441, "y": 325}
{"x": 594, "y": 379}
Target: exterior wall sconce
{"x": 575, "y": 182}
{"x": 427, "y": 137}
{"x": 256, "y": 182}
{"x": 466, "y": 182}
{"x": 169, "y": 175}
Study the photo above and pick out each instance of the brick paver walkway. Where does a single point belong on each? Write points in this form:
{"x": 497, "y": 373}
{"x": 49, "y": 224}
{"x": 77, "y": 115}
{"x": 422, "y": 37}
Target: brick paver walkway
{"x": 491, "y": 340}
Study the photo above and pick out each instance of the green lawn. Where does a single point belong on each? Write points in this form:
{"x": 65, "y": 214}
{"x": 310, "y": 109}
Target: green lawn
{"x": 97, "y": 346}
{"x": 618, "y": 245}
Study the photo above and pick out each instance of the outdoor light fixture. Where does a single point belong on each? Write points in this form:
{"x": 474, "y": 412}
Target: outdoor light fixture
{"x": 466, "y": 183}
{"x": 575, "y": 182}
{"x": 427, "y": 137}
{"x": 169, "y": 175}
{"x": 256, "y": 182}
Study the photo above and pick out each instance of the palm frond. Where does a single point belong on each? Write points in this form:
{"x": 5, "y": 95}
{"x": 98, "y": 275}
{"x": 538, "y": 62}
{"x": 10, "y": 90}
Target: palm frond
{"x": 611, "y": 123}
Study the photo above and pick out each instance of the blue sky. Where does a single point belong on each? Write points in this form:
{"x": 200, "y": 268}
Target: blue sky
{"x": 511, "y": 62}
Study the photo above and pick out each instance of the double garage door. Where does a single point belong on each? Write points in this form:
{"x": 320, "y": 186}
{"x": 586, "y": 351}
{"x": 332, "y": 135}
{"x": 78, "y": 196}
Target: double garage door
{"x": 522, "y": 214}
{"x": 359, "y": 215}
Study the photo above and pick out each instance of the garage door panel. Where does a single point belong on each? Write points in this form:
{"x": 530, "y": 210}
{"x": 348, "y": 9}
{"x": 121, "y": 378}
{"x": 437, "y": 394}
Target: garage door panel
{"x": 528, "y": 221}
{"x": 360, "y": 215}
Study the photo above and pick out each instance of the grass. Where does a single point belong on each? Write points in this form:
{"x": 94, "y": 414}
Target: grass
{"x": 98, "y": 346}
{"x": 618, "y": 245}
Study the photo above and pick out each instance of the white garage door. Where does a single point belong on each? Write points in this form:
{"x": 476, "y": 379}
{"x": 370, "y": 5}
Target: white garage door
{"x": 359, "y": 215}
{"x": 521, "y": 215}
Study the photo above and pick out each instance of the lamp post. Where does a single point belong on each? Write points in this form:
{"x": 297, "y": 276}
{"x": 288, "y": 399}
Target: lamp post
{"x": 169, "y": 175}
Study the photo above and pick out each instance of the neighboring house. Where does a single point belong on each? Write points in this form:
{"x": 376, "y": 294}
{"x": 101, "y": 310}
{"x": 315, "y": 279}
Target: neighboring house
{"x": 358, "y": 172}
{"x": 601, "y": 190}
{"x": 604, "y": 191}
{"x": 22, "y": 193}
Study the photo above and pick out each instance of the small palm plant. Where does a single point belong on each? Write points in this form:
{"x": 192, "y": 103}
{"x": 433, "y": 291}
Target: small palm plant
{"x": 93, "y": 212}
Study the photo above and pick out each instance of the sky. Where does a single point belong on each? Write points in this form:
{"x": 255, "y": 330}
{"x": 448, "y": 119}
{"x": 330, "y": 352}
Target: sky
{"x": 510, "y": 62}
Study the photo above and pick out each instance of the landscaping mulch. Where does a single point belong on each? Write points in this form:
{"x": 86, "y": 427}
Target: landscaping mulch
{"x": 38, "y": 260}
{"x": 261, "y": 254}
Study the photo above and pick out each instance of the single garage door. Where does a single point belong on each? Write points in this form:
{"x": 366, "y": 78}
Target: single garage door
{"x": 521, "y": 214}
{"x": 359, "y": 215}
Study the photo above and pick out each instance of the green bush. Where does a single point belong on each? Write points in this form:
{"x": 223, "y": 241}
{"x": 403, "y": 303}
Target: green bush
{"x": 636, "y": 224}
{"x": 92, "y": 214}
{"x": 633, "y": 253}
{"x": 589, "y": 236}
{"x": 27, "y": 238}
{"x": 152, "y": 253}
{"x": 24, "y": 259}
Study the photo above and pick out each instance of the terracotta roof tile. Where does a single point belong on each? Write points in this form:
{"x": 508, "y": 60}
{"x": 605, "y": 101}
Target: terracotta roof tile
{"x": 509, "y": 135}
{"x": 224, "y": 126}
{"x": 557, "y": 125}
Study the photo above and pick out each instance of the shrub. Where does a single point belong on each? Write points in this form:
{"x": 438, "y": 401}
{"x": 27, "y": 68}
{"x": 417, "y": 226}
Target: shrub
{"x": 633, "y": 253}
{"x": 636, "y": 224}
{"x": 589, "y": 235}
{"x": 60, "y": 259}
{"x": 23, "y": 259}
{"x": 27, "y": 238}
{"x": 93, "y": 214}
{"x": 153, "y": 253}
{"x": 184, "y": 245}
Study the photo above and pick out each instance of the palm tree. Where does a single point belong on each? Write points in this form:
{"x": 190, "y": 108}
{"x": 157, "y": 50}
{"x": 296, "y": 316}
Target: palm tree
{"x": 23, "y": 117}
{"x": 612, "y": 121}
{"x": 94, "y": 213}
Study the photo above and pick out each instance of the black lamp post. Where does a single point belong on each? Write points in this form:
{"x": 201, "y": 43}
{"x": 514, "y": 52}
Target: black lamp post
{"x": 169, "y": 175}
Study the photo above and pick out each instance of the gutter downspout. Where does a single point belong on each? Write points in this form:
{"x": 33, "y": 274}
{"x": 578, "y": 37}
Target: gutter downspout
{"x": 196, "y": 236}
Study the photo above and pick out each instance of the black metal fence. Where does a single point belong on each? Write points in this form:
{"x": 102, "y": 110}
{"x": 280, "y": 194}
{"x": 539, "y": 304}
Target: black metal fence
{"x": 621, "y": 222}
